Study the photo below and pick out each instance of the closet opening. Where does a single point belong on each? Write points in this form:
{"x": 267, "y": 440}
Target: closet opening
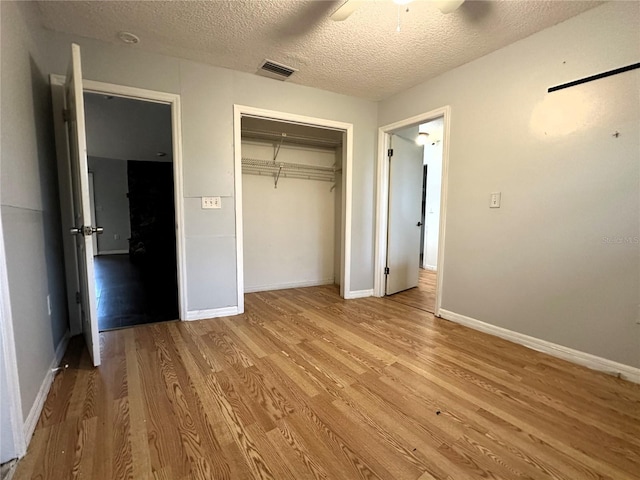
{"x": 293, "y": 202}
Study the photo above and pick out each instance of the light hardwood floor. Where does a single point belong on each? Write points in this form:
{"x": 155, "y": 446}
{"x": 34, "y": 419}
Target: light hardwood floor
{"x": 422, "y": 297}
{"x": 305, "y": 385}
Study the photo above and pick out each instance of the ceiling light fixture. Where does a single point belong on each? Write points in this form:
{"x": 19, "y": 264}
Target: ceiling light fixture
{"x": 129, "y": 38}
{"x": 422, "y": 139}
{"x": 400, "y": 4}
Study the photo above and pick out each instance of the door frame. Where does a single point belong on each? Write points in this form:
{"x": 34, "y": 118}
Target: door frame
{"x": 171, "y": 99}
{"x": 347, "y": 162}
{"x": 382, "y": 198}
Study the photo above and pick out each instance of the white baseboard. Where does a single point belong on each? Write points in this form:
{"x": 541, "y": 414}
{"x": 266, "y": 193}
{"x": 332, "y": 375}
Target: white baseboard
{"x": 284, "y": 286}
{"x": 112, "y": 252}
{"x": 34, "y": 414}
{"x": 358, "y": 294}
{"x": 7, "y": 470}
{"x": 588, "y": 360}
{"x": 212, "y": 313}
{"x": 433, "y": 268}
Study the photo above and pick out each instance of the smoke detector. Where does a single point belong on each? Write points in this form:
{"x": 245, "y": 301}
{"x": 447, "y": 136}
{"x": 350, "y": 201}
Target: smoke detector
{"x": 278, "y": 71}
{"x": 128, "y": 37}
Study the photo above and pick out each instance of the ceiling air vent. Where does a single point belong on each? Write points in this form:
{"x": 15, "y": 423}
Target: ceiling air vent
{"x": 275, "y": 70}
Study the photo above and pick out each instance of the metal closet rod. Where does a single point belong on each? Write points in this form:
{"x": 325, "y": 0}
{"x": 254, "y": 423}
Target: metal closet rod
{"x": 253, "y": 166}
{"x": 269, "y": 165}
{"x": 299, "y": 175}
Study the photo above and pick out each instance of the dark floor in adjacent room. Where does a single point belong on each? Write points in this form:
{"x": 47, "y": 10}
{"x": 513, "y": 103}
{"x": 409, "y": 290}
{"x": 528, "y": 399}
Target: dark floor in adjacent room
{"x": 131, "y": 293}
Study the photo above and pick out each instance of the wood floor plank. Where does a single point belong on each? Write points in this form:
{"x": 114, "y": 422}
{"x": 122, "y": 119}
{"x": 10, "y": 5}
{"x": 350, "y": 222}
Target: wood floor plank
{"x": 305, "y": 385}
{"x": 299, "y": 459}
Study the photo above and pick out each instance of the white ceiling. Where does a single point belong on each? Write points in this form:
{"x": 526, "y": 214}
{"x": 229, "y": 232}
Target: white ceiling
{"x": 434, "y": 128}
{"x": 362, "y": 56}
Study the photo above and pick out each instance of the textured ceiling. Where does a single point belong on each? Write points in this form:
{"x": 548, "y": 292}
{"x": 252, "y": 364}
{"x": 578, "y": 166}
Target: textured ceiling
{"x": 362, "y": 56}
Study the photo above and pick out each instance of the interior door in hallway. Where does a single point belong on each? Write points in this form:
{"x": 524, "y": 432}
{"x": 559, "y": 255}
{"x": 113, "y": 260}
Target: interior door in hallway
{"x": 83, "y": 230}
{"x": 405, "y": 200}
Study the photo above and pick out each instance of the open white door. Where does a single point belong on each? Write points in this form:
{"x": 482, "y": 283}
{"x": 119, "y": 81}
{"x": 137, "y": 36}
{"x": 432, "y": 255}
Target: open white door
{"x": 84, "y": 230}
{"x": 405, "y": 203}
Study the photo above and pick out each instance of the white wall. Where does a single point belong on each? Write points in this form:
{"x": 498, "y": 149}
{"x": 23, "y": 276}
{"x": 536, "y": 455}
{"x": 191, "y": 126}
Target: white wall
{"x": 29, "y": 198}
{"x": 208, "y": 95}
{"x": 548, "y": 262}
{"x": 112, "y": 205}
{"x": 433, "y": 160}
{"x": 289, "y": 231}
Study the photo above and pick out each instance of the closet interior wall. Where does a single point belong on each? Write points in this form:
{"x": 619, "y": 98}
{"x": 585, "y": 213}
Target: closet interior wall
{"x": 292, "y": 231}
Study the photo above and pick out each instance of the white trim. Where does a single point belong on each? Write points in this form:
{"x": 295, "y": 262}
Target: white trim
{"x": 431, "y": 268}
{"x": 382, "y": 199}
{"x": 112, "y": 252}
{"x": 237, "y": 200}
{"x": 284, "y": 286}
{"x": 10, "y": 469}
{"x": 211, "y": 313}
{"x": 359, "y": 294}
{"x": 176, "y": 131}
{"x": 10, "y": 360}
{"x": 588, "y": 360}
{"x": 36, "y": 409}
{"x": 347, "y": 163}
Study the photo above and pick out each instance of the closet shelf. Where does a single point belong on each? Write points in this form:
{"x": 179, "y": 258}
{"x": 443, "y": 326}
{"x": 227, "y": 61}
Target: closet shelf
{"x": 276, "y": 170}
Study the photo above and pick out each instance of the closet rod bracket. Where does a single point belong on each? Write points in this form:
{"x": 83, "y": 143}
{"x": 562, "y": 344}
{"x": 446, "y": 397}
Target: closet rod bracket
{"x": 277, "y": 176}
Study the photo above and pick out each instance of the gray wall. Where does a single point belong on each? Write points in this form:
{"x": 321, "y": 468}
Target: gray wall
{"x": 29, "y": 203}
{"x": 127, "y": 129}
{"x": 560, "y": 260}
{"x": 110, "y": 188}
{"x": 208, "y": 95}
{"x": 7, "y": 440}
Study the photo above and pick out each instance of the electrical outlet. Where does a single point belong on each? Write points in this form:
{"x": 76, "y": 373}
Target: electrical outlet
{"x": 49, "y": 304}
{"x": 211, "y": 202}
{"x": 494, "y": 201}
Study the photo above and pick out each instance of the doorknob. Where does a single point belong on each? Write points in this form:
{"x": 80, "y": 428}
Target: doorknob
{"x": 419, "y": 224}
{"x": 86, "y": 231}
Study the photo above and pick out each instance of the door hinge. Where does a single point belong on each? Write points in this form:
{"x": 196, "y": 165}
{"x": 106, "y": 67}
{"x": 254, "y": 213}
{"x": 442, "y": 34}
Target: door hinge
{"x": 390, "y": 152}
{"x": 66, "y": 115}
{"x": 78, "y": 300}
{"x": 386, "y": 270}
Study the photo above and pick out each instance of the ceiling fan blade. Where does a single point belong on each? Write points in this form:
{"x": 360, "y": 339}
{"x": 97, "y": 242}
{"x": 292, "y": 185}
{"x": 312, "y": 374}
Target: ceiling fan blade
{"x": 346, "y": 9}
{"x": 448, "y": 6}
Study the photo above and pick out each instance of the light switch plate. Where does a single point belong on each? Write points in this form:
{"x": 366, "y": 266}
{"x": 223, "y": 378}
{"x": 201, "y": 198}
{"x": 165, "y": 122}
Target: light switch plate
{"x": 211, "y": 202}
{"x": 494, "y": 201}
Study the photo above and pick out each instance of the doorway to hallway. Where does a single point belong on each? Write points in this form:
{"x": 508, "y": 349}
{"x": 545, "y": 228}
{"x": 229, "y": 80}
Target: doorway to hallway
{"x": 129, "y": 146}
{"x": 413, "y": 156}
{"x": 423, "y": 296}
